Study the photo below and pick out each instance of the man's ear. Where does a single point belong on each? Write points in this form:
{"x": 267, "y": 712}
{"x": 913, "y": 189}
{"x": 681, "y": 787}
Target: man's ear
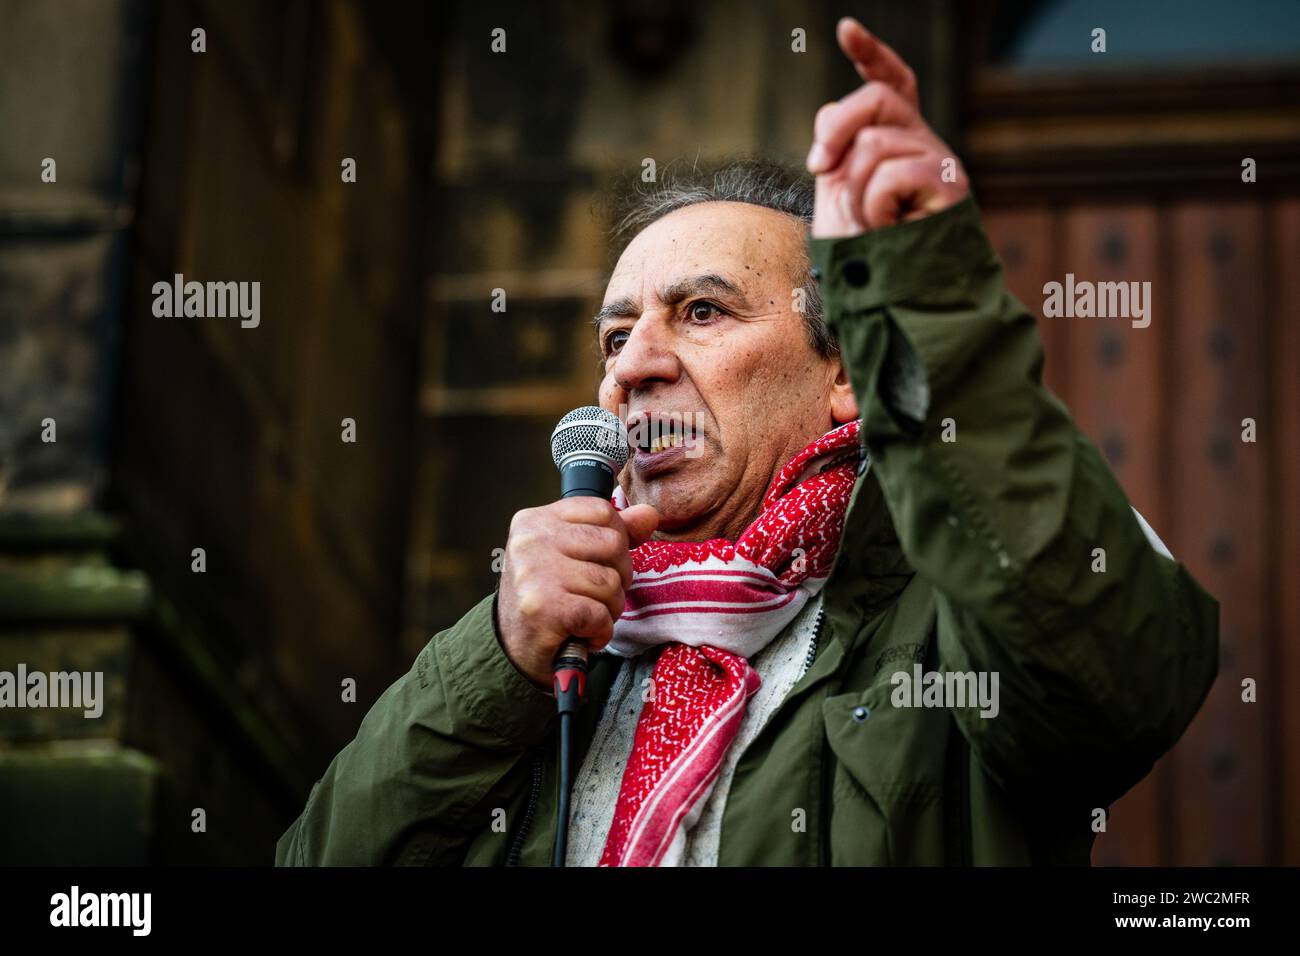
{"x": 844, "y": 405}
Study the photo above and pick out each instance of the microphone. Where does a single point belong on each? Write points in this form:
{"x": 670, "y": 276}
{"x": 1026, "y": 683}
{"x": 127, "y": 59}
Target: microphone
{"x": 589, "y": 446}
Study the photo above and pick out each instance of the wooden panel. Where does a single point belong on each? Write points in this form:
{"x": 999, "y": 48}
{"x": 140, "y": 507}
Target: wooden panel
{"x": 1114, "y": 394}
{"x": 1281, "y": 443}
{"x": 1036, "y": 138}
{"x": 1115, "y": 375}
{"x": 1025, "y": 241}
{"x": 1217, "y": 484}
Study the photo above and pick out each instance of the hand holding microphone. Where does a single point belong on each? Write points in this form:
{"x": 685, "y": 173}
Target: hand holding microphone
{"x": 566, "y": 563}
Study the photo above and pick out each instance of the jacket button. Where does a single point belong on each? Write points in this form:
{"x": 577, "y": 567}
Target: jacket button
{"x": 855, "y": 273}
{"x": 861, "y": 713}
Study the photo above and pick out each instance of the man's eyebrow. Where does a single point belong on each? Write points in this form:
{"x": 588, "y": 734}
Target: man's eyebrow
{"x": 707, "y": 284}
{"x": 689, "y": 287}
{"x": 618, "y": 309}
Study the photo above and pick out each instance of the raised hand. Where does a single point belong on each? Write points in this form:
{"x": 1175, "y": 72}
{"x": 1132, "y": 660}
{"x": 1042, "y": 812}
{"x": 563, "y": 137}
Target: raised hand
{"x": 875, "y": 160}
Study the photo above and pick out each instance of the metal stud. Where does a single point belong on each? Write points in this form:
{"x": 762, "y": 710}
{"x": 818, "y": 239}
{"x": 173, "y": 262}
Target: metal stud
{"x": 1114, "y": 249}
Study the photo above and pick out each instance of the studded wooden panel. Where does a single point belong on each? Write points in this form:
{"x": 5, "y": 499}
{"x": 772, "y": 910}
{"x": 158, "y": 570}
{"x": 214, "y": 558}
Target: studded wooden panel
{"x": 1166, "y": 405}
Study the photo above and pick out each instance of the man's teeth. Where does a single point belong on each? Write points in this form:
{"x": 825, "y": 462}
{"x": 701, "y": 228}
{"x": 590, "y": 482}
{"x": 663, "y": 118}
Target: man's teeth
{"x": 660, "y": 442}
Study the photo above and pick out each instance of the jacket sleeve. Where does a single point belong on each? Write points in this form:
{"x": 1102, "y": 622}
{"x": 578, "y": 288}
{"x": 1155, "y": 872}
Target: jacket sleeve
{"x": 431, "y": 759}
{"x": 1008, "y": 511}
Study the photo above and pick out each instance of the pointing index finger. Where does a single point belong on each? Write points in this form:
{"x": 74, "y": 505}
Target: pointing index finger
{"x": 875, "y": 60}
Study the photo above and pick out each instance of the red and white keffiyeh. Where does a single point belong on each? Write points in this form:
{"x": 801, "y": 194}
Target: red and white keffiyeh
{"x": 715, "y": 604}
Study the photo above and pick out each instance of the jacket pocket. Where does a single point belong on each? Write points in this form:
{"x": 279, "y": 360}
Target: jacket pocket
{"x": 886, "y": 779}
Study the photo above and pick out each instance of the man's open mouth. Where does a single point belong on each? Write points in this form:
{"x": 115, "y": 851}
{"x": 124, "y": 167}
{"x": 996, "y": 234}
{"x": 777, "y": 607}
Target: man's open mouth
{"x": 652, "y": 434}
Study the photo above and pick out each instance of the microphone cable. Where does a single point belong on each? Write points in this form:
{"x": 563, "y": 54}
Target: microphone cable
{"x": 570, "y": 683}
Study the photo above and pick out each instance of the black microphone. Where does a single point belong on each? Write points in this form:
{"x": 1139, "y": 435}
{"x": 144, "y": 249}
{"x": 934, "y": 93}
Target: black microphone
{"x": 589, "y": 446}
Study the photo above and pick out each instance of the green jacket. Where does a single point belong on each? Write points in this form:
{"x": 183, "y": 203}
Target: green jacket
{"x": 969, "y": 546}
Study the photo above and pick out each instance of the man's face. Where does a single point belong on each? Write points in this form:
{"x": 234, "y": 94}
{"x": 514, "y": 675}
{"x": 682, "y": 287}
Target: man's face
{"x": 699, "y": 325}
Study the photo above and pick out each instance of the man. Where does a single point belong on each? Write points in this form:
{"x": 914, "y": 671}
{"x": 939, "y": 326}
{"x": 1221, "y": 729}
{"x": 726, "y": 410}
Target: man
{"x": 811, "y": 652}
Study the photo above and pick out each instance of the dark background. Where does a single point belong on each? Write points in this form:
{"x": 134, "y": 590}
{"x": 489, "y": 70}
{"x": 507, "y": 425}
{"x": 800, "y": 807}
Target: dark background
{"x": 328, "y": 561}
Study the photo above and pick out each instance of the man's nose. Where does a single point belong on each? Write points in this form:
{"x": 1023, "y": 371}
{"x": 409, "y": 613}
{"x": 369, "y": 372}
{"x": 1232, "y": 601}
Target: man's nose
{"x": 646, "y": 357}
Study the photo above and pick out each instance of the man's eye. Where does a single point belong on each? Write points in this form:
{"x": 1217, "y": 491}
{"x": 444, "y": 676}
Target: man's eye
{"x": 614, "y": 341}
{"x": 703, "y": 312}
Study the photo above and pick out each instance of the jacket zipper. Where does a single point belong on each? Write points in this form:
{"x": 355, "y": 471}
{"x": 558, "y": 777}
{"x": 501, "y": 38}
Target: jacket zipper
{"x": 816, "y": 639}
{"x": 534, "y": 794}
{"x": 823, "y": 853}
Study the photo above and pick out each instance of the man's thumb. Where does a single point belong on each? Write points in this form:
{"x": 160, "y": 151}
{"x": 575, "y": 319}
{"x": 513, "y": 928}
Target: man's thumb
{"x": 641, "y": 521}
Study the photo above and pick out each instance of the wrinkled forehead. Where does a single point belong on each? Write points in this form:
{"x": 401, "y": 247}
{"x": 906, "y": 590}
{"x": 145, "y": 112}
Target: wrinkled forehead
{"x": 751, "y": 246}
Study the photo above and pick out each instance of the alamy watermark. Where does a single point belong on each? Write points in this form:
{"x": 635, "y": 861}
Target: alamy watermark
{"x": 656, "y": 432}
{"x": 946, "y": 689}
{"x": 1102, "y": 300}
{"x": 75, "y": 908}
{"x": 177, "y": 299}
{"x": 78, "y": 690}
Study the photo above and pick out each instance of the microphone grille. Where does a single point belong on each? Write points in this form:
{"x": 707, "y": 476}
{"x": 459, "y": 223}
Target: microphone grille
{"x": 590, "y": 431}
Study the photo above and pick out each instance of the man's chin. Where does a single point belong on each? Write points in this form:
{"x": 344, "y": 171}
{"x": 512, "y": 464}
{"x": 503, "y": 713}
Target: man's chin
{"x": 675, "y": 500}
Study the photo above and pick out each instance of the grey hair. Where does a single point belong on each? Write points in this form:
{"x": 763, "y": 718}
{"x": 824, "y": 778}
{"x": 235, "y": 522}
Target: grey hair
{"x": 758, "y": 182}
